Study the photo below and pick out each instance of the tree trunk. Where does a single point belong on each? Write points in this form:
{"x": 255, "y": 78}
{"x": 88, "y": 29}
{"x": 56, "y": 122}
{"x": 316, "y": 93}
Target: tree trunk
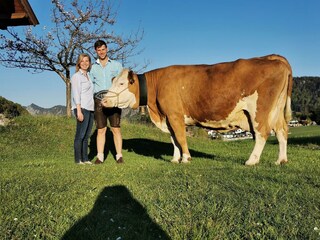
{"x": 68, "y": 98}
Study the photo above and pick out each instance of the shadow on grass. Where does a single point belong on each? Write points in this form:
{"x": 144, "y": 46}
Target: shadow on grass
{"x": 156, "y": 149}
{"x": 141, "y": 146}
{"x": 116, "y": 215}
{"x": 299, "y": 140}
{"x": 304, "y": 140}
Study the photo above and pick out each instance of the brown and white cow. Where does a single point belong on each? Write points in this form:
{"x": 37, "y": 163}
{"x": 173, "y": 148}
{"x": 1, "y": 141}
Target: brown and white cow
{"x": 252, "y": 94}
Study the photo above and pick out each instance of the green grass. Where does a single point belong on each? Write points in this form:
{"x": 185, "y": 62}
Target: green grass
{"x": 44, "y": 195}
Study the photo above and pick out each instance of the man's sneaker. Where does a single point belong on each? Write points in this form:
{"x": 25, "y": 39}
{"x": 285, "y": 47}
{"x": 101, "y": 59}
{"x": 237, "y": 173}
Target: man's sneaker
{"x": 88, "y": 162}
{"x": 80, "y": 163}
{"x": 98, "y": 161}
{"x": 120, "y": 160}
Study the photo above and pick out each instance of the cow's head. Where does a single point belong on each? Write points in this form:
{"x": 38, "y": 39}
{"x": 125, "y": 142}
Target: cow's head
{"x": 124, "y": 91}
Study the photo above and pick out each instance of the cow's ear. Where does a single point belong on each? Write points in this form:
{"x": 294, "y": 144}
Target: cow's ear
{"x": 130, "y": 77}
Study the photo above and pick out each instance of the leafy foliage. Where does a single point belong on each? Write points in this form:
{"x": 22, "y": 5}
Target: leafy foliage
{"x": 76, "y": 26}
{"x": 306, "y": 98}
{"x": 10, "y": 109}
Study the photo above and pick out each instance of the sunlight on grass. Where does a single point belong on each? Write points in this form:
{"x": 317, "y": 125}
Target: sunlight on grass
{"x": 44, "y": 195}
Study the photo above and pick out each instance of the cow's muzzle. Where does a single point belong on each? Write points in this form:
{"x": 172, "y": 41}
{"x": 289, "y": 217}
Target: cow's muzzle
{"x": 106, "y": 97}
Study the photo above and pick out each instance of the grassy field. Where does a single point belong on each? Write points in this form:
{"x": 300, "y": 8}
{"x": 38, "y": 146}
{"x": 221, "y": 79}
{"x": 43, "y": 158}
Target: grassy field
{"x": 44, "y": 195}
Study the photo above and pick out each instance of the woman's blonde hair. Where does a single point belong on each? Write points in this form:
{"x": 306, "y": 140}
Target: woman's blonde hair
{"x": 82, "y": 56}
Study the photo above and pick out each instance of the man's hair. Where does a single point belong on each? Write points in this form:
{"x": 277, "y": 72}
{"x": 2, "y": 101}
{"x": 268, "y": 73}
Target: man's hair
{"x": 99, "y": 43}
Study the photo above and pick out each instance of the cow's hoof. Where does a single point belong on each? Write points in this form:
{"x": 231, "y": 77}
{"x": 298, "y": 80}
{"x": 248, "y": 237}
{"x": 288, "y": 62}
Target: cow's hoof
{"x": 251, "y": 163}
{"x": 186, "y": 160}
{"x": 175, "y": 161}
{"x": 282, "y": 161}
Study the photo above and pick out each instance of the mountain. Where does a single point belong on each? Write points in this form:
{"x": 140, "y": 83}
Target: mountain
{"x": 58, "y": 110}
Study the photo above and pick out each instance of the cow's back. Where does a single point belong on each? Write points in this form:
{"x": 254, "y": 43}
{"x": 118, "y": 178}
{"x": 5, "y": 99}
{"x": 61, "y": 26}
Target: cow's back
{"x": 211, "y": 92}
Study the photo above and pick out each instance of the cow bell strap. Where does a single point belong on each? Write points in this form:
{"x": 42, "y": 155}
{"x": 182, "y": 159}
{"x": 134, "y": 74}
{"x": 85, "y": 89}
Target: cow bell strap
{"x": 143, "y": 90}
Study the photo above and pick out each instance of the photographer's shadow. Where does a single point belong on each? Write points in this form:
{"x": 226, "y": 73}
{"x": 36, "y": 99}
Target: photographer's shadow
{"x": 116, "y": 215}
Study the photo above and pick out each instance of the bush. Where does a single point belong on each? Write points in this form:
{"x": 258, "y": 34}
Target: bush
{"x": 10, "y": 109}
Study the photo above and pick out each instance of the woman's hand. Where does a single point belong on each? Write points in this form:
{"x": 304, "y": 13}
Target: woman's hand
{"x": 80, "y": 116}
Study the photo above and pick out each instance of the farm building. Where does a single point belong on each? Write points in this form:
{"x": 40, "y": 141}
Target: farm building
{"x": 16, "y": 13}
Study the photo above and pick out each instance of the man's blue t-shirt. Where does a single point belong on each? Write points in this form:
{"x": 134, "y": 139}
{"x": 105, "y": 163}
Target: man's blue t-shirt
{"x": 102, "y": 76}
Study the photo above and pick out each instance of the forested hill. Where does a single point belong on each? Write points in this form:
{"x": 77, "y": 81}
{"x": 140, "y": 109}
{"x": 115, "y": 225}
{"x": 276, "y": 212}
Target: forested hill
{"x": 306, "y": 95}
{"x": 10, "y": 109}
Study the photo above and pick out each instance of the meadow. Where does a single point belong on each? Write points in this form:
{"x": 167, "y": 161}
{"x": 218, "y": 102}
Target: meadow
{"x": 44, "y": 195}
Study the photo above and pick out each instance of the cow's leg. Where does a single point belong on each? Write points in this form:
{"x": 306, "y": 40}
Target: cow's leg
{"x": 178, "y": 131}
{"x": 257, "y": 150}
{"x": 282, "y": 139}
{"x": 176, "y": 151}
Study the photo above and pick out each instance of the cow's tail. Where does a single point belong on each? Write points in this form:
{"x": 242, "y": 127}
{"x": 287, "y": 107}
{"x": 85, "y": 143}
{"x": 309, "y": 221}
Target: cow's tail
{"x": 288, "y": 111}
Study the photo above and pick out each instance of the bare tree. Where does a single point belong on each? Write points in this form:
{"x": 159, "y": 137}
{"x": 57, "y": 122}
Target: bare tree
{"x": 77, "y": 25}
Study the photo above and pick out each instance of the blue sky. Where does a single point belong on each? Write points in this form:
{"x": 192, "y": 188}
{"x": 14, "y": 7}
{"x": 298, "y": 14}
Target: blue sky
{"x": 192, "y": 32}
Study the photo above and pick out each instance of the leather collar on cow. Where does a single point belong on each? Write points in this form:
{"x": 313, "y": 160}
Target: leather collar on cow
{"x": 142, "y": 89}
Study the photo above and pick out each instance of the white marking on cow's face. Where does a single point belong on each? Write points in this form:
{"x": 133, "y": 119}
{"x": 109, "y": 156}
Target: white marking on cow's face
{"x": 118, "y": 94}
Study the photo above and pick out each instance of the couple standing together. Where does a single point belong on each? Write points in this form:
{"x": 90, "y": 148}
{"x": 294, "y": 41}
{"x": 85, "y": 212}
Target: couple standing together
{"x": 88, "y": 80}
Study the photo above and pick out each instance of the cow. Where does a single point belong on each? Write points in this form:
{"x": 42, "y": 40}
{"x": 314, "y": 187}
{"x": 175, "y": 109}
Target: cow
{"x": 252, "y": 94}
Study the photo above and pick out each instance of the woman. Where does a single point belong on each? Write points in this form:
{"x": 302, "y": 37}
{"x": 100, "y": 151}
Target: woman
{"x": 83, "y": 107}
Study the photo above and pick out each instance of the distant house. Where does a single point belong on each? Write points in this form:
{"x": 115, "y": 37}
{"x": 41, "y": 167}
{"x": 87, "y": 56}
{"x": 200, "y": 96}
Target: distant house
{"x": 230, "y": 135}
{"x": 16, "y": 13}
{"x": 294, "y": 123}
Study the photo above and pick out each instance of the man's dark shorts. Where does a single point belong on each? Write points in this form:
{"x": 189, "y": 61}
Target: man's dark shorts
{"x": 102, "y": 114}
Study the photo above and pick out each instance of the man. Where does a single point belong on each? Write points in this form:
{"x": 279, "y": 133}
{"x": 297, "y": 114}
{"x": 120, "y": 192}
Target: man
{"x": 102, "y": 73}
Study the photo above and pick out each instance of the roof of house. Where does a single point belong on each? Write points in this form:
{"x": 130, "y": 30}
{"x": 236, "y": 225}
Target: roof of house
{"x": 16, "y": 13}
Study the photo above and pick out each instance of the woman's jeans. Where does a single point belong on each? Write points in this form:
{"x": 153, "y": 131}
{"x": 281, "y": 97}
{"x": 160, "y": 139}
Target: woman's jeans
{"x": 83, "y": 132}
